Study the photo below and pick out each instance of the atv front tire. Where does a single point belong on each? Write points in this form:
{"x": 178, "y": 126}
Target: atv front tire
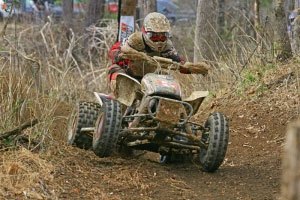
{"x": 217, "y": 140}
{"x": 107, "y": 128}
{"x": 85, "y": 115}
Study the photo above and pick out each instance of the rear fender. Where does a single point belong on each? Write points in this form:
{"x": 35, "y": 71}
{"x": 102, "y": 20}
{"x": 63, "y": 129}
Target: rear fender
{"x": 126, "y": 88}
{"x": 195, "y": 99}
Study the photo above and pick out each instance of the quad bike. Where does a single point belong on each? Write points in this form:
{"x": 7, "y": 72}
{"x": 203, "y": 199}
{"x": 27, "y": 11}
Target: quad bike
{"x": 151, "y": 115}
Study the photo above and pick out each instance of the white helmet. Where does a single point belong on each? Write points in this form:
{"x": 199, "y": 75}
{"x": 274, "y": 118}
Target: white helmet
{"x": 156, "y": 31}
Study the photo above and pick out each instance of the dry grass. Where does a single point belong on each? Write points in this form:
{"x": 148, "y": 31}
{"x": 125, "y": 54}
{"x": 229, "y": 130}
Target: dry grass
{"x": 39, "y": 69}
{"x": 24, "y": 173}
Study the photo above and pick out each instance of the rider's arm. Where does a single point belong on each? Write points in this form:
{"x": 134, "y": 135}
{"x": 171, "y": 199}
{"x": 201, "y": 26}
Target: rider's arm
{"x": 114, "y": 52}
{"x": 134, "y": 41}
{"x": 115, "y": 55}
{"x": 170, "y": 52}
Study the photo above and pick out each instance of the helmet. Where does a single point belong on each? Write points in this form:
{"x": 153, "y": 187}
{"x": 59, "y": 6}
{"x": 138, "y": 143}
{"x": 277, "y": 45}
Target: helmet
{"x": 156, "y": 22}
{"x": 156, "y": 31}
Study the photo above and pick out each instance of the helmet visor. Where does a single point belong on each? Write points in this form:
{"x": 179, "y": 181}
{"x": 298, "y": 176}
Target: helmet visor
{"x": 157, "y": 37}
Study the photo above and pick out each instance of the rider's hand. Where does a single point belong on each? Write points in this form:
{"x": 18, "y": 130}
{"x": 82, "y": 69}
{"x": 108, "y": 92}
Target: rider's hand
{"x": 119, "y": 56}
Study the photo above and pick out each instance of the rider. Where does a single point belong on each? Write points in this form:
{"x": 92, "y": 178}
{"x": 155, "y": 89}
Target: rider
{"x": 154, "y": 40}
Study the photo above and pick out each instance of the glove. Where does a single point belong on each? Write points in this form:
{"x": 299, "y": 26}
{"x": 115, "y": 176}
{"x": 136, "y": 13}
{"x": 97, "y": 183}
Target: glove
{"x": 196, "y": 68}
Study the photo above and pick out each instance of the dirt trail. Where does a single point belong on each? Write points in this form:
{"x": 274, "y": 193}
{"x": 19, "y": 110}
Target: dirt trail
{"x": 251, "y": 170}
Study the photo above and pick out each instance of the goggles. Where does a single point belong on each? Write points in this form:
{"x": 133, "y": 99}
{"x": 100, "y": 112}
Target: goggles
{"x": 157, "y": 37}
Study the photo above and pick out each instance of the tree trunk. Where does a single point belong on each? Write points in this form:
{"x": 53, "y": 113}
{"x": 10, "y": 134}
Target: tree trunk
{"x": 205, "y": 33}
{"x": 68, "y": 12}
{"x": 290, "y": 5}
{"x": 128, "y": 7}
{"x": 247, "y": 21}
{"x": 145, "y": 7}
{"x": 150, "y": 6}
{"x": 282, "y": 45}
{"x": 295, "y": 34}
{"x": 291, "y": 164}
{"x": 95, "y": 12}
{"x": 221, "y": 18}
{"x": 256, "y": 9}
{"x": 297, "y": 3}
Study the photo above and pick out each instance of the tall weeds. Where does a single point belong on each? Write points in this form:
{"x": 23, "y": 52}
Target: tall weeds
{"x": 41, "y": 67}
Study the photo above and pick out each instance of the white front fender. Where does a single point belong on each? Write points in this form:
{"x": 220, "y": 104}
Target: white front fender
{"x": 126, "y": 88}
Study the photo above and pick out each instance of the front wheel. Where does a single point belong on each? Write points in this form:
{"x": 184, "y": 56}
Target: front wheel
{"x": 85, "y": 115}
{"x": 217, "y": 140}
{"x": 107, "y": 128}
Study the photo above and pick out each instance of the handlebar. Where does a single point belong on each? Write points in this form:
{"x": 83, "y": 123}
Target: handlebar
{"x": 165, "y": 63}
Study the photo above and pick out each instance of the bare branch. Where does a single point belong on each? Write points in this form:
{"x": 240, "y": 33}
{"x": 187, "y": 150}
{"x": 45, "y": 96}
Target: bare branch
{"x": 19, "y": 129}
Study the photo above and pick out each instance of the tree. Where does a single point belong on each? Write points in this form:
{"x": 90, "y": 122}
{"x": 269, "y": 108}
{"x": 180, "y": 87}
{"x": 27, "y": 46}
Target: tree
{"x": 256, "y": 13}
{"x": 95, "y": 12}
{"x": 297, "y": 3}
{"x": 282, "y": 45}
{"x": 205, "y": 32}
{"x": 295, "y": 33}
{"x": 221, "y": 17}
{"x": 290, "y": 4}
{"x": 68, "y": 12}
{"x": 247, "y": 22}
{"x": 150, "y": 6}
{"x": 145, "y": 7}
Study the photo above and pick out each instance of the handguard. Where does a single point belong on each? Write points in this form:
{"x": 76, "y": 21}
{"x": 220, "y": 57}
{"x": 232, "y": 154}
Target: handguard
{"x": 196, "y": 68}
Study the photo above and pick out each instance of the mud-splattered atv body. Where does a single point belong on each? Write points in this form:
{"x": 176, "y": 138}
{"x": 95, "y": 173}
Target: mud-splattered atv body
{"x": 152, "y": 115}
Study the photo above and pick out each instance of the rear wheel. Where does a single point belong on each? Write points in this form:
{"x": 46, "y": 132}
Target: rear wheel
{"x": 217, "y": 140}
{"x": 107, "y": 128}
{"x": 85, "y": 115}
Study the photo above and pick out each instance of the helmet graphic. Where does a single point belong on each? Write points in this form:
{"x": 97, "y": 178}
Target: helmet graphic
{"x": 156, "y": 31}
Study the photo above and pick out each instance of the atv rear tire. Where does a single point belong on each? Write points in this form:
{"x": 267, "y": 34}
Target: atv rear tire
{"x": 217, "y": 140}
{"x": 107, "y": 128}
{"x": 85, "y": 115}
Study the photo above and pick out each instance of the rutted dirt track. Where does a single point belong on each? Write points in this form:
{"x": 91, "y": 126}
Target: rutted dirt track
{"x": 252, "y": 168}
